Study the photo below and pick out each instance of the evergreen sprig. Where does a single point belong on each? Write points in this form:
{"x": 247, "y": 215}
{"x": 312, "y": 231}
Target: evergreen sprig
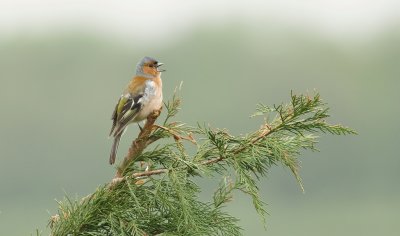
{"x": 154, "y": 193}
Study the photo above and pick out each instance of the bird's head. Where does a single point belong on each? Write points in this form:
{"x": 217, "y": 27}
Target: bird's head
{"x": 149, "y": 67}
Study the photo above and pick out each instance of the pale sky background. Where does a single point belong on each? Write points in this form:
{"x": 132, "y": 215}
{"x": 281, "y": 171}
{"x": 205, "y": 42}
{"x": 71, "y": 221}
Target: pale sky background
{"x": 140, "y": 19}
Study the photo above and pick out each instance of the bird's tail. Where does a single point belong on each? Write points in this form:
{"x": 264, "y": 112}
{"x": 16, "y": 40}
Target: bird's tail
{"x": 114, "y": 148}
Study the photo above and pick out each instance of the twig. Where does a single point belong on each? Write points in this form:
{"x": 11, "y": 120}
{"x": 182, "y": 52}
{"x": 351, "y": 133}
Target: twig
{"x": 177, "y": 136}
{"x": 117, "y": 180}
{"x": 212, "y": 161}
{"x": 265, "y": 133}
{"x": 150, "y": 172}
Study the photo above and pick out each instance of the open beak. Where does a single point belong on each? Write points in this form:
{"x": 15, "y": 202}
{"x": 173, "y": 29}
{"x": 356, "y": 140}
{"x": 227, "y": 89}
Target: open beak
{"x": 158, "y": 65}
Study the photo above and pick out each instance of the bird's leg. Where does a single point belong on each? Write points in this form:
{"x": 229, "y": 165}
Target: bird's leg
{"x": 140, "y": 127}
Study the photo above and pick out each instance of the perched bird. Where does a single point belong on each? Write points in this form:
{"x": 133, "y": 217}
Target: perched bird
{"x": 141, "y": 97}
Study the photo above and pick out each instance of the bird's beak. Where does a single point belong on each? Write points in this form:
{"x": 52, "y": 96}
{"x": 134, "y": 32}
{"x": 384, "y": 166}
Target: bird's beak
{"x": 158, "y": 65}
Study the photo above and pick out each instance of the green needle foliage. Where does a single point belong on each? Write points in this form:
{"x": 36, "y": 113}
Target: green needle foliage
{"x": 156, "y": 194}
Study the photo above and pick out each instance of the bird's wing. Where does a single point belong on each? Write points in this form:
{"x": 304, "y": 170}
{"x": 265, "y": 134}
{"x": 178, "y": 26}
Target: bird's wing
{"x": 114, "y": 116}
{"x": 126, "y": 109}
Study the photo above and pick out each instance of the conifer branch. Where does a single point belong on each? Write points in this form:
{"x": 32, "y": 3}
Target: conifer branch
{"x": 161, "y": 197}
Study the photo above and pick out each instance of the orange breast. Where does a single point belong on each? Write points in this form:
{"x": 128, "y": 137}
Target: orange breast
{"x": 136, "y": 85}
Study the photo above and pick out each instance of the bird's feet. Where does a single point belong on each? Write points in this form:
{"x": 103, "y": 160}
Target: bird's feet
{"x": 140, "y": 127}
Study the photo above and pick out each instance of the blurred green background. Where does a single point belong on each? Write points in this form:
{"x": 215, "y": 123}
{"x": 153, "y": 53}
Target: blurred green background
{"x": 59, "y": 86}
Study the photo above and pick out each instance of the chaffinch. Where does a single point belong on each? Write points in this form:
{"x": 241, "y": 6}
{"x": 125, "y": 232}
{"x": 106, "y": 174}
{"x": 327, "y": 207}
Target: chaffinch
{"x": 142, "y": 96}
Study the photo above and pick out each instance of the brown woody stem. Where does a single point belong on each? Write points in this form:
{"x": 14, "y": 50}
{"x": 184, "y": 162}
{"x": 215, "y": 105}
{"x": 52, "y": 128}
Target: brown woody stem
{"x": 139, "y": 144}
